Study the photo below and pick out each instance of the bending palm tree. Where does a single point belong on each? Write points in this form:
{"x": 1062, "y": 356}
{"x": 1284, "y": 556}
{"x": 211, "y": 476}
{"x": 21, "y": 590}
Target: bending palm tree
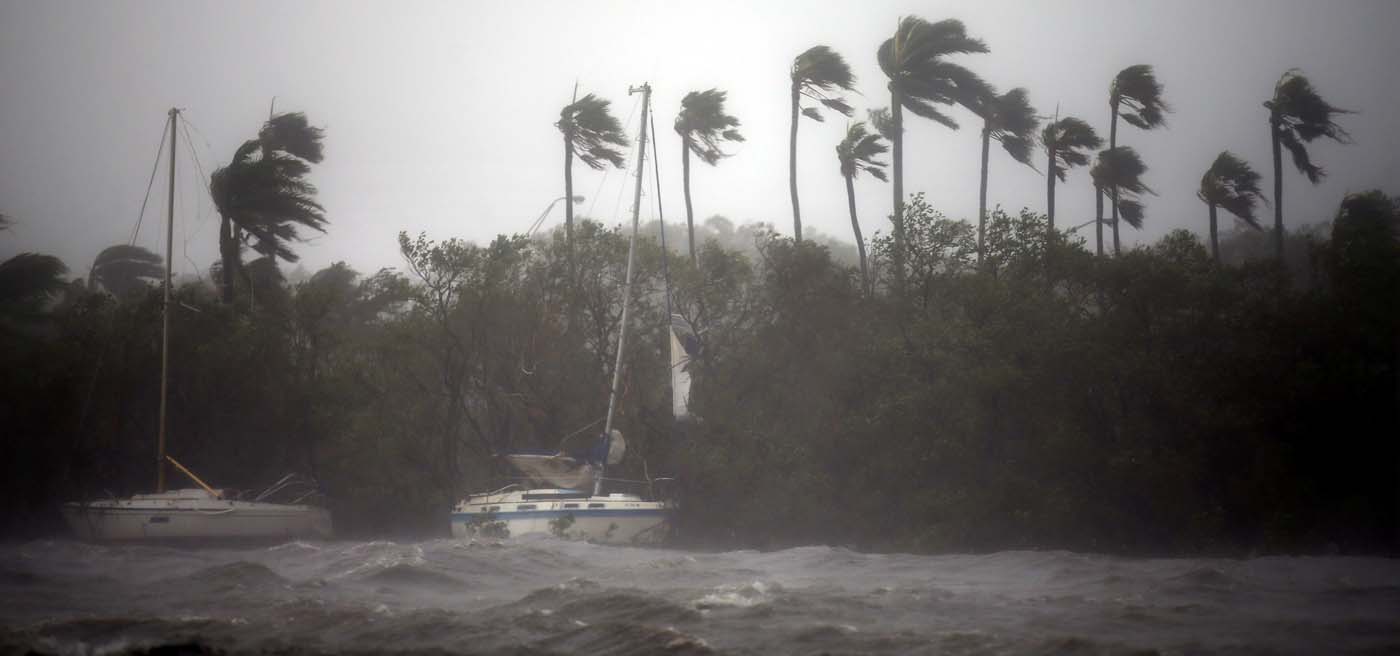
{"x": 596, "y": 137}
{"x": 857, "y": 152}
{"x": 703, "y": 127}
{"x": 921, "y": 78}
{"x": 1118, "y": 168}
{"x": 1065, "y": 141}
{"x": 264, "y": 193}
{"x": 124, "y": 269}
{"x": 1230, "y": 183}
{"x": 1297, "y": 116}
{"x": 816, "y": 74}
{"x": 1009, "y": 120}
{"x": 1136, "y": 96}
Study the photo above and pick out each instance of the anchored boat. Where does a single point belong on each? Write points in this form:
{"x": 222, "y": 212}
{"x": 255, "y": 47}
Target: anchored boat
{"x": 563, "y": 493}
{"x": 197, "y": 514}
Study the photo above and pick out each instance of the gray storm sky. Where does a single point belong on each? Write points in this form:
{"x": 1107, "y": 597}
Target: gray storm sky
{"x": 439, "y": 116}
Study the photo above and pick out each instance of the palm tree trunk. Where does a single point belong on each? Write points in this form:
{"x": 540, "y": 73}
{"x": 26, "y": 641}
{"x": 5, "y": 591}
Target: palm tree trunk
{"x": 227, "y": 253}
{"x": 1278, "y": 185}
{"x": 792, "y": 168}
{"x": 897, "y": 153}
{"x": 569, "y": 194}
{"x": 1113, "y": 143}
{"x": 855, "y": 228}
{"x": 982, "y": 196}
{"x": 1214, "y": 243}
{"x": 1050, "y": 191}
{"x": 1098, "y": 219}
{"x": 685, "y": 179}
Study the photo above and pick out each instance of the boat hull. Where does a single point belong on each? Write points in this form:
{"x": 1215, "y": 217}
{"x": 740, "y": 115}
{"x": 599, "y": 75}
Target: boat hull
{"x": 611, "y": 519}
{"x": 195, "y": 519}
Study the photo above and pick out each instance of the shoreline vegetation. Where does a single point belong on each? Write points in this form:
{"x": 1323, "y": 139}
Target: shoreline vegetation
{"x": 954, "y": 385}
{"x": 1152, "y": 403}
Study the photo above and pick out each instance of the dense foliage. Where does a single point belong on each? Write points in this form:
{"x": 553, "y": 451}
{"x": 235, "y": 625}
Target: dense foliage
{"x": 1150, "y": 402}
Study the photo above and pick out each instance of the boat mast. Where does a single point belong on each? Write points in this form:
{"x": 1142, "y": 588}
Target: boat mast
{"x": 165, "y": 311}
{"x": 645, "y": 90}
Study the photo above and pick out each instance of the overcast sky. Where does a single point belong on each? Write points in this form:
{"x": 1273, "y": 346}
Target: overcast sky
{"x": 439, "y": 115}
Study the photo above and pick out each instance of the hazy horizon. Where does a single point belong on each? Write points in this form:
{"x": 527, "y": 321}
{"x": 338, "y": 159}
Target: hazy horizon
{"x": 445, "y": 124}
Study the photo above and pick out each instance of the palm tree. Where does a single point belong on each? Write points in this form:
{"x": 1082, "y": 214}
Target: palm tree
{"x": 817, "y": 74}
{"x": 1297, "y": 116}
{"x": 123, "y": 269}
{"x": 263, "y": 192}
{"x": 1232, "y": 184}
{"x": 704, "y": 128}
{"x": 1065, "y": 141}
{"x": 596, "y": 137}
{"x": 1009, "y": 120}
{"x": 921, "y": 78}
{"x": 1118, "y": 168}
{"x": 1136, "y": 96}
{"x": 857, "y": 152}
{"x": 28, "y": 282}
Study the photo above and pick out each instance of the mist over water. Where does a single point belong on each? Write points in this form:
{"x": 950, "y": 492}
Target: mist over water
{"x": 547, "y": 596}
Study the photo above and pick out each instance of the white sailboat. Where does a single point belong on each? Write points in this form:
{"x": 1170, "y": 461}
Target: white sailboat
{"x": 564, "y": 493}
{"x": 202, "y": 513}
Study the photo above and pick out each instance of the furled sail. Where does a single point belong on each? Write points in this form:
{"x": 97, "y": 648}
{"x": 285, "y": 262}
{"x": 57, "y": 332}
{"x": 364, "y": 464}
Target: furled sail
{"x": 685, "y": 347}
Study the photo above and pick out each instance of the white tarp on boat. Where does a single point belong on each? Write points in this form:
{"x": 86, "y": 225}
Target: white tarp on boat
{"x": 685, "y": 347}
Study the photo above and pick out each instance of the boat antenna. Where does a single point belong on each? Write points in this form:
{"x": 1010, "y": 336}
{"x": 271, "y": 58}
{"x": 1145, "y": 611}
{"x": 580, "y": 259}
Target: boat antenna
{"x": 165, "y": 311}
{"x": 645, "y": 90}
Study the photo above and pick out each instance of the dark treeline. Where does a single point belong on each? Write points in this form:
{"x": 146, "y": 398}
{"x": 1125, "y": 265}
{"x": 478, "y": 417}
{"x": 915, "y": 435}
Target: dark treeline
{"x": 1157, "y": 401}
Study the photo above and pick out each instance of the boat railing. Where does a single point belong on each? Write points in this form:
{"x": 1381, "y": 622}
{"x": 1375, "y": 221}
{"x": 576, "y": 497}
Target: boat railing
{"x": 292, "y": 489}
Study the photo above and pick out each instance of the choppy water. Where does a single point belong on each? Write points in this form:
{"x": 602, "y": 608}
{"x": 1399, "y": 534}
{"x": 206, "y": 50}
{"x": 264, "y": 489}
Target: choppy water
{"x": 537, "y": 596}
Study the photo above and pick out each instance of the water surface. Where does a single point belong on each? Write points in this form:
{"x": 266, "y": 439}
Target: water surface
{"x": 541, "y": 596}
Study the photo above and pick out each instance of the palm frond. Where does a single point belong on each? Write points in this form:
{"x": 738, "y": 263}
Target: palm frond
{"x": 881, "y": 120}
{"x": 1069, "y": 138}
{"x": 1138, "y": 95}
{"x": 1232, "y": 184}
{"x": 123, "y": 269}
{"x": 705, "y": 126}
{"x": 819, "y": 73}
{"x": 1302, "y": 116}
{"x": 28, "y": 280}
{"x": 292, "y": 134}
{"x": 813, "y": 113}
{"x": 1123, "y": 168}
{"x": 1011, "y": 121}
{"x": 1301, "y": 159}
{"x": 1131, "y": 211}
{"x": 596, "y": 135}
{"x": 858, "y": 152}
{"x": 913, "y": 60}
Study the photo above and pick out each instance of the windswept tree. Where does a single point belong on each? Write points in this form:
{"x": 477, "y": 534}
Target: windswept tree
{"x": 921, "y": 78}
{"x": 1232, "y": 184}
{"x": 263, "y": 195}
{"x": 856, "y": 153}
{"x": 1297, "y": 116}
{"x": 1009, "y": 120}
{"x": 1135, "y": 95}
{"x": 819, "y": 74}
{"x": 1118, "y": 168}
{"x": 28, "y": 282}
{"x": 1066, "y": 143}
{"x": 124, "y": 269}
{"x": 595, "y": 136}
{"x": 704, "y": 128}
